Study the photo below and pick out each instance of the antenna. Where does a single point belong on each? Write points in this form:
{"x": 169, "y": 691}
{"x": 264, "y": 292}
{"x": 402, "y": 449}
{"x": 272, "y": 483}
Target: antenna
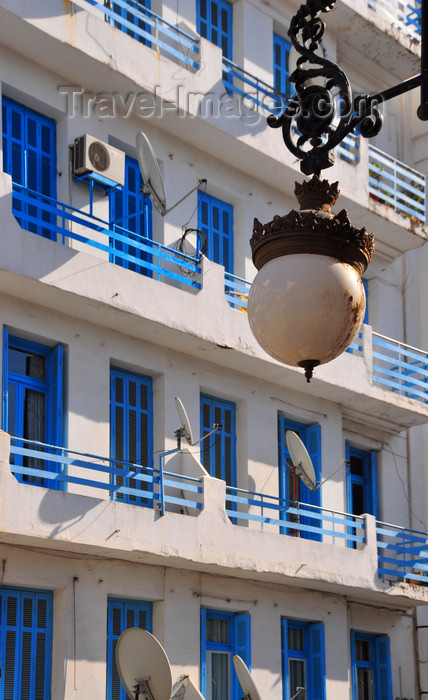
{"x": 245, "y": 679}
{"x": 152, "y": 177}
{"x": 302, "y": 463}
{"x": 143, "y": 665}
{"x": 185, "y": 429}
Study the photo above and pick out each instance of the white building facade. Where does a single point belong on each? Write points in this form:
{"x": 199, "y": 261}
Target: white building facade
{"x": 109, "y": 312}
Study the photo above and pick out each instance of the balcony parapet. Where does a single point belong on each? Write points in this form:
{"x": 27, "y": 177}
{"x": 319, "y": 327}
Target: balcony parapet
{"x": 204, "y": 538}
{"x": 150, "y": 29}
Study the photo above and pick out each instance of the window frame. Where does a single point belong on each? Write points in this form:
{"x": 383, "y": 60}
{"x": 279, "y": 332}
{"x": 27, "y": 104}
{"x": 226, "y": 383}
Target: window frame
{"x": 239, "y": 642}
{"x": 52, "y": 387}
{"x": 313, "y": 654}
{"x": 141, "y": 380}
{"x": 311, "y": 437}
{"x": 214, "y": 403}
{"x": 20, "y": 629}
{"x": 281, "y": 71}
{"x": 123, "y": 203}
{"x": 125, "y": 604}
{"x": 217, "y": 236}
{"x": 368, "y": 481}
{"x": 29, "y": 216}
{"x": 206, "y": 29}
{"x": 380, "y": 664}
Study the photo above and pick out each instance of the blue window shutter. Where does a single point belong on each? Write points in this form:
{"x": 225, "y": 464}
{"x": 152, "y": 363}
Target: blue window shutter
{"x": 284, "y": 648}
{"x": 313, "y": 445}
{"x": 373, "y": 485}
{"x": 131, "y": 432}
{"x": 219, "y": 454}
{"x": 5, "y": 380}
{"x": 26, "y": 643}
{"x": 241, "y": 647}
{"x": 214, "y": 20}
{"x": 121, "y": 615}
{"x": 312, "y": 439}
{"x": 348, "y": 478}
{"x": 383, "y": 668}
{"x": 353, "y": 667}
{"x": 29, "y": 147}
{"x": 131, "y": 218}
{"x": 366, "y": 290}
{"x": 215, "y": 220}
{"x": 203, "y": 651}
{"x": 242, "y": 637}
{"x": 317, "y": 662}
{"x": 57, "y": 395}
{"x": 281, "y": 73}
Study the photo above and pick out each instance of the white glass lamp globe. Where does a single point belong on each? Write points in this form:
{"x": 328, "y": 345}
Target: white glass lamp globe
{"x": 306, "y": 308}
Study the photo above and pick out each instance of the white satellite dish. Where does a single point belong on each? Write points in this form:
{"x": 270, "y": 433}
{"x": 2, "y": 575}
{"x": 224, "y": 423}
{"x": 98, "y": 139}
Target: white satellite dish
{"x": 185, "y": 429}
{"x": 244, "y": 677}
{"x": 302, "y": 463}
{"x": 143, "y": 665}
{"x": 152, "y": 177}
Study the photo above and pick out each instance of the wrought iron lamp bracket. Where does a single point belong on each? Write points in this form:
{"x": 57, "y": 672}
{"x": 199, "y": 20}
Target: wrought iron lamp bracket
{"x": 322, "y": 115}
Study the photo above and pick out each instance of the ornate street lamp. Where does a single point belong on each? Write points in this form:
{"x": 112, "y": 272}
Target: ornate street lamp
{"x": 307, "y": 302}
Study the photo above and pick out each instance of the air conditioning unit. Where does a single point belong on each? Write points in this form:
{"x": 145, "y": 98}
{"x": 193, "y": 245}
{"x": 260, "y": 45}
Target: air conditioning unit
{"x": 94, "y": 156}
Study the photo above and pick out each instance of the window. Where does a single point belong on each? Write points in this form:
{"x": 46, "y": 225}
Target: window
{"x": 281, "y": 70}
{"x": 303, "y": 659}
{"x": 25, "y": 643}
{"x": 121, "y": 615}
{"x": 131, "y": 216}
{"x": 215, "y": 220}
{"x": 293, "y": 489}
{"x": 29, "y": 156}
{"x": 218, "y": 452}
{"x": 131, "y": 436}
{"x": 371, "y": 667}
{"x": 223, "y": 634}
{"x": 361, "y": 481}
{"x": 33, "y": 402}
{"x": 214, "y": 20}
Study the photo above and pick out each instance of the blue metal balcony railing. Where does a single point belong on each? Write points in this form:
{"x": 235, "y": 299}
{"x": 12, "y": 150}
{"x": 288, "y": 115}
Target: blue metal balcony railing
{"x": 56, "y": 220}
{"x": 255, "y": 91}
{"x": 236, "y": 291}
{"x": 402, "y": 553}
{"x": 297, "y": 519}
{"x": 404, "y": 15}
{"x": 59, "y": 468}
{"x": 400, "y": 368}
{"x": 148, "y": 28}
{"x": 395, "y": 184}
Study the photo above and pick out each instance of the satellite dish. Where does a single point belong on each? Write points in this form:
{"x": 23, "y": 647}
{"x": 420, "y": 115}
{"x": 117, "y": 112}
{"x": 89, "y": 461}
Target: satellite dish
{"x": 143, "y": 665}
{"x": 150, "y": 172}
{"x": 185, "y": 427}
{"x": 301, "y": 460}
{"x": 152, "y": 176}
{"x": 245, "y": 679}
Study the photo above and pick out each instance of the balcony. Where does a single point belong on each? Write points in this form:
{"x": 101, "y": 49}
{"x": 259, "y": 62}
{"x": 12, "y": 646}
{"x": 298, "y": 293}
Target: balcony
{"x": 89, "y": 504}
{"x": 404, "y": 15}
{"x": 150, "y": 29}
{"x": 396, "y": 185}
{"x": 69, "y": 226}
{"x": 82, "y": 265}
{"x": 402, "y": 553}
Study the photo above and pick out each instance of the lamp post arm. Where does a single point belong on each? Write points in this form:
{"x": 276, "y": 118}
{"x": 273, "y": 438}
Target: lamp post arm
{"x": 423, "y": 107}
{"x": 319, "y": 116}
